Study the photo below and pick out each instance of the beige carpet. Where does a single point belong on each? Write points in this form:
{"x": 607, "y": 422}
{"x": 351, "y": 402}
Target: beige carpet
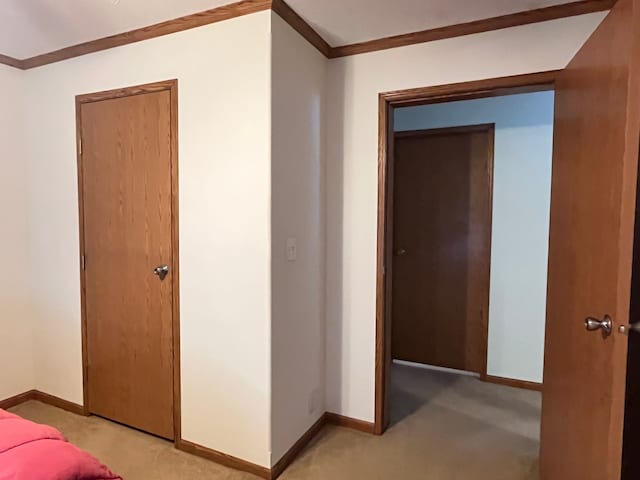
{"x": 446, "y": 427}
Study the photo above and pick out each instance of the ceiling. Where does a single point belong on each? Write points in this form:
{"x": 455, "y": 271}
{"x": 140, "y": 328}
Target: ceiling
{"x": 33, "y": 27}
{"x": 343, "y": 22}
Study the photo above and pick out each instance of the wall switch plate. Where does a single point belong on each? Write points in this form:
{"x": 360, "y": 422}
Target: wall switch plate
{"x": 292, "y": 249}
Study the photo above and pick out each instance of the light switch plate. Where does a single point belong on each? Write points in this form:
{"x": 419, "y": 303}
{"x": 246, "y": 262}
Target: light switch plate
{"x": 292, "y": 249}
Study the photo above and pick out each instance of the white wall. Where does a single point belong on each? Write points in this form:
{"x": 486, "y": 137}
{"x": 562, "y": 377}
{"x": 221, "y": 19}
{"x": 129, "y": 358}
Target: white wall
{"x": 225, "y": 242}
{"x": 16, "y": 328}
{"x": 225, "y": 220}
{"x": 352, "y": 129}
{"x": 299, "y": 74}
{"x": 520, "y": 226}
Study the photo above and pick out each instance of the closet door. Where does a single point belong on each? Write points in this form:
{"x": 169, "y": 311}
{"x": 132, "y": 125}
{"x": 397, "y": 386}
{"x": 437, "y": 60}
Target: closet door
{"x": 126, "y": 180}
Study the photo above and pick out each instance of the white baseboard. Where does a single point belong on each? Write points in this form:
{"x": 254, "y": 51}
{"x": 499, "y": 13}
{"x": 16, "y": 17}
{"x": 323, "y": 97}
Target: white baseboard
{"x": 436, "y": 369}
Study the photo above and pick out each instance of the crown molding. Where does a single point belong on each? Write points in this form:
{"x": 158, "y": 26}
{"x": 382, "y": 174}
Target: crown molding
{"x": 226, "y": 12}
{"x": 301, "y": 26}
{"x": 247, "y": 7}
{"x": 10, "y": 61}
{"x": 479, "y": 26}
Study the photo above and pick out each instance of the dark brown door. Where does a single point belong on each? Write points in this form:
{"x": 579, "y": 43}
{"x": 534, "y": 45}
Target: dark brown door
{"x": 590, "y": 253}
{"x": 127, "y": 214}
{"x": 442, "y": 237}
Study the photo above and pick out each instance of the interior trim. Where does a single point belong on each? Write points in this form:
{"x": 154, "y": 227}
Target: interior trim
{"x": 299, "y": 25}
{"x": 60, "y": 403}
{"x": 288, "y": 458}
{"x": 246, "y": 7}
{"x": 223, "y": 459}
{"x": 388, "y": 101}
{"x": 350, "y": 423}
{"x": 226, "y": 12}
{"x": 479, "y": 26}
{"x": 11, "y": 402}
{"x": 298, "y": 447}
{"x": 39, "y": 396}
{"x": 10, "y": 61}
{"x": 208, "y": 453}
{"x": 491, "y": 87}
{"x": 509, "y": 382}
{"x": 304, "y": 441}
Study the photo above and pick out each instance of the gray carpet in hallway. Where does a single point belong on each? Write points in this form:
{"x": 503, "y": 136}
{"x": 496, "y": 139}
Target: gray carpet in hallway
{"x": 445, "y": 427}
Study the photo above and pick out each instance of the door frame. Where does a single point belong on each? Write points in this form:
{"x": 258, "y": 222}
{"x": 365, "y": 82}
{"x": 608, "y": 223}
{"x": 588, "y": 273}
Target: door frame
{"x": 387, "y": 103}
{"x": 488, "y": 128}
{"x": 172, "y": 87}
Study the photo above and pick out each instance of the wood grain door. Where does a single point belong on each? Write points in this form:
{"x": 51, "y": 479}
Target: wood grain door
{"x": 442, "y": 246}
{"x": 126, "y": 185}
{"x": 597, "y": 130}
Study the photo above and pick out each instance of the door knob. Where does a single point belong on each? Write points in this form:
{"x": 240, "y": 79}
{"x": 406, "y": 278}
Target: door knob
{"x": 595, "y": 324}
{"x": 627, "y": 329}
{"x": 162, "y": 271}
{"x": 401, "y": 252}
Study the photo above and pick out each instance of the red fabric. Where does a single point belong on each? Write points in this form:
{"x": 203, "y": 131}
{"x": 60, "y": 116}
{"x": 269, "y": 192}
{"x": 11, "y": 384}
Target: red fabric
{"x": 29, "y": 451}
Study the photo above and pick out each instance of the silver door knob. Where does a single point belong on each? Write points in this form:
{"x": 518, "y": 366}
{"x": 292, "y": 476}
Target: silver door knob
{"x": 595, "y": 324}
{"x": 162, "y": 271}
{"x": 627, "y": 329}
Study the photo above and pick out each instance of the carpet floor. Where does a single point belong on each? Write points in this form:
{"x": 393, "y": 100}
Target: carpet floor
{"x": 444, "y": 427}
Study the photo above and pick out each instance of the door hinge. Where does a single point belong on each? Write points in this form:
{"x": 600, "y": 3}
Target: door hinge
{"x": 83, "y": 262}
{"x": 80, "y": 146}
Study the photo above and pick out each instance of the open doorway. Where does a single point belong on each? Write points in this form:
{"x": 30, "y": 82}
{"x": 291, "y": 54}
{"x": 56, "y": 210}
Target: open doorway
{"x": 592, "y": 216}
{"x": 463, "y": 249}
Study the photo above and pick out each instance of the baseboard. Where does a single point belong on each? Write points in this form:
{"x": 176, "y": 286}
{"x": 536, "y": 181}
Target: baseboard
{"x": 17, "y": 400}
{"x": 207, "y": 453}
{"x": 352, "y": 423}
{"x": 512, "y": 383}
{"x": 44, "y": 398}
{"x": 223, "y": 459}
{"x": 289, "y": 457}
{"x": 60, "y": 403}
{"x": 433, "y": 368}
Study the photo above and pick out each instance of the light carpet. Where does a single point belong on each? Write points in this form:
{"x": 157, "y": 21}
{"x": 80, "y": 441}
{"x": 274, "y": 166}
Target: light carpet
{"x": 445, "y": 427}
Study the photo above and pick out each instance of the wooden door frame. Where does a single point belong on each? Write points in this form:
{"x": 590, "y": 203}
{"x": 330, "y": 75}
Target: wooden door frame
{"x": 172, "y": 87}
{"x": 489, "y": 128}
{"x": 388, "y": 102}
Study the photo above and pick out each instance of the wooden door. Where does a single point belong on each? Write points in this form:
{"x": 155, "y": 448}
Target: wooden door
{"x": 631, "y": 438}
{"x": 590, "y": 256}
{"x": 127, "y": 211}
{"x": 441, "y": 246}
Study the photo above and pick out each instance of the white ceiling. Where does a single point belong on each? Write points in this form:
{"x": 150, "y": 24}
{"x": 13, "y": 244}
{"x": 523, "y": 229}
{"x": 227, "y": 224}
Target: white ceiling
{"x": 342, "y": 22}
{"x": 33, "y": 27}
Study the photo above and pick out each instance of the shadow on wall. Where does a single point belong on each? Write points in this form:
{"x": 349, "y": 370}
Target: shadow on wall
{"x": 334, "y": 295}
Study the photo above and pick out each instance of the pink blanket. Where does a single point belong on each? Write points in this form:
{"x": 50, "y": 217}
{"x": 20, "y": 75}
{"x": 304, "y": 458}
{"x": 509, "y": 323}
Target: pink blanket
{"x": 29, "y": 451}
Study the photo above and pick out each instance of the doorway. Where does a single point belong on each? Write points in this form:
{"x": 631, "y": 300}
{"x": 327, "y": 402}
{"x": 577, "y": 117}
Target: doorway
{"x": 387, "y": 251}
{"x": 449, "y": 343}
{"x": 128, "y": 192}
